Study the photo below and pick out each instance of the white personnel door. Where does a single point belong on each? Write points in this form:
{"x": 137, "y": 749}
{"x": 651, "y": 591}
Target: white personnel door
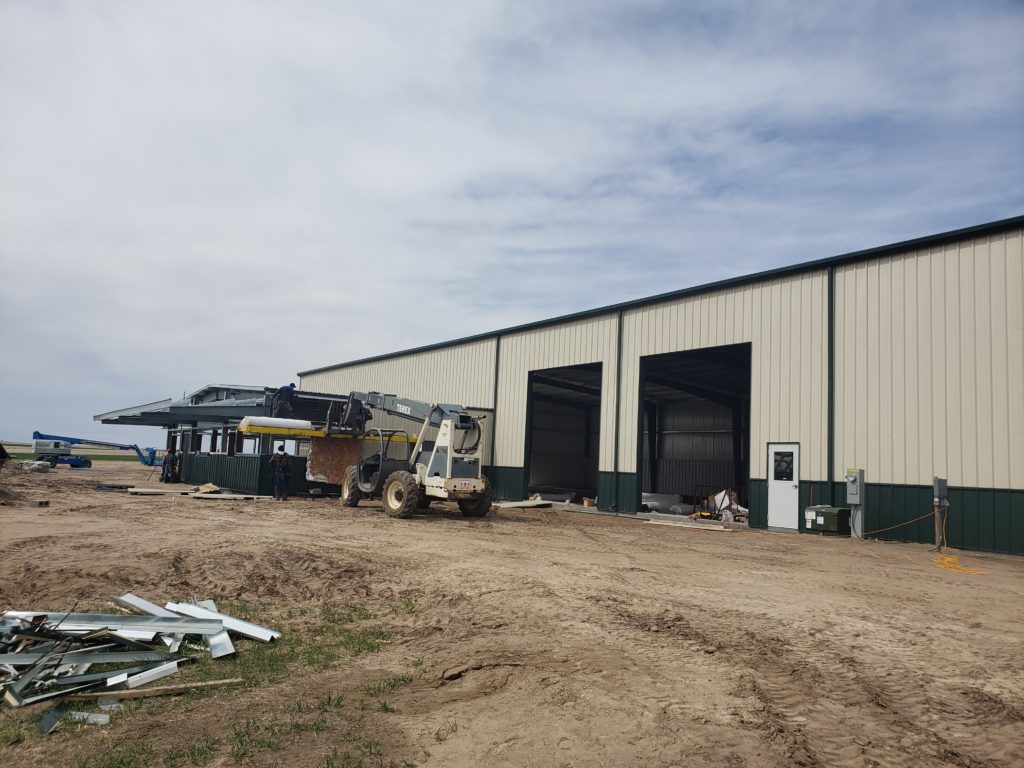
{"x": 784, "y": 485}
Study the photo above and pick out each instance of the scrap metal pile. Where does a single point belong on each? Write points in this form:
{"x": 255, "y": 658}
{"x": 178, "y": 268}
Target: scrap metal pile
{"x": 107, "y": 657}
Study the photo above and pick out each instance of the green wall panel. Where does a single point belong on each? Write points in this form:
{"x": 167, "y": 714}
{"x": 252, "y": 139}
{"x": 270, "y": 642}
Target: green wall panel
{"x": 605, "y": 490}
{"x": 246, "y": 473}
{"x": 629, "y": 493}
{"x": 985, "y": 519}
{"x": 508, "y": 482}
{"x": 757, "y": 494}
{"x": 623, "y": 496}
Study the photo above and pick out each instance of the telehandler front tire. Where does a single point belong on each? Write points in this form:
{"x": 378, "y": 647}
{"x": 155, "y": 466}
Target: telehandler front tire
{"x": 401, "y": 494}
{"x": 481, "y": 504}
{"x": 350, "y": 493}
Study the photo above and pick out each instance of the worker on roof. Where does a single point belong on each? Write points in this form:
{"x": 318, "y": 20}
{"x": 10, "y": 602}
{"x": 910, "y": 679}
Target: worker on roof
{"x": 280, "y": 468}
{"x": 282, "y": 402}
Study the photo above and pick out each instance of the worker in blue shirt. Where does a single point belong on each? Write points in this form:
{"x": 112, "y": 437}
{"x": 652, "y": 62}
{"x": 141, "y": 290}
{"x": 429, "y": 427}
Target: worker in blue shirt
{"x": 282, "y": 402}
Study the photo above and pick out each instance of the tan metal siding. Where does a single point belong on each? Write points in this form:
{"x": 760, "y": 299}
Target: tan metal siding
{"x": 462, "y": 374}
{"x": 585, "y": 341}
{"x": 785, "y": 322}
{"x": 930, "y": 365}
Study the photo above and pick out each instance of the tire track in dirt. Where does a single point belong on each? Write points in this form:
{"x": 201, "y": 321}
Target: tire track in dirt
{"x": 815, "y": 701}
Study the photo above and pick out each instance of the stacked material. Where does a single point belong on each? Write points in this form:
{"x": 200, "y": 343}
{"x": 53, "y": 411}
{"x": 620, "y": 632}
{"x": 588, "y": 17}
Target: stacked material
{"x": 47, "y": 656}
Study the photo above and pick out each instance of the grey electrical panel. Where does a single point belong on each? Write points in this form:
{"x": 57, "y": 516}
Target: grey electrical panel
{"x": 855, "y": 486}
{"x": 940, "y": 488}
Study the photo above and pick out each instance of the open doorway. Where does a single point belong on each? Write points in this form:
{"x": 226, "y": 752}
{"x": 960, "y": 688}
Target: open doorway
{"x": 563, "y": 431}
{"x": 695, "y": 424}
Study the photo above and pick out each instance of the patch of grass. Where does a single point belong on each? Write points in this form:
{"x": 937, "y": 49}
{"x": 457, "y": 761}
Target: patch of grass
{"x": 298, "y": 708}
{"x": 449, "y": 728}
{"x": 258, "y": 613}
{"x": 331, "y": 701}
{"x": 12, "y": 731}
{"x": 250, "y": 737}
{"x": 387, "y": 685}
{"x": 349, "y": 760}
{"x": 261, "y": 663}
{"x": 199, "y": 753}
{"x": 407, "y": 605}
{"x": 136, "y": 754}
{"x": 301, "y": 726}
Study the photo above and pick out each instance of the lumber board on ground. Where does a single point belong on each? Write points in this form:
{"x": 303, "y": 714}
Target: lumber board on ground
{"x": 161, "y": 690}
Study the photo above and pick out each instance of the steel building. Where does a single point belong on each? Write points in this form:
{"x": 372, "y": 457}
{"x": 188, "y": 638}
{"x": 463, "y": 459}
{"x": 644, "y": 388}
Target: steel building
{"x": 905, "y": 360}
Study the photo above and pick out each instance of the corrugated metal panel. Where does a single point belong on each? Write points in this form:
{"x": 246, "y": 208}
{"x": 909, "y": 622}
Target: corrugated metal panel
{"x": 463, "y": 375}
{"x": 586, "y": 341}
{"x": 930, "y": 365}
{"x": 785, "y": 321}
{"x": 690, "y": 476}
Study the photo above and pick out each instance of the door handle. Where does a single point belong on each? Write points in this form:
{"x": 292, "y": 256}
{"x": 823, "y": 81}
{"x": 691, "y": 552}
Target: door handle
{"x": 796, "y": 485}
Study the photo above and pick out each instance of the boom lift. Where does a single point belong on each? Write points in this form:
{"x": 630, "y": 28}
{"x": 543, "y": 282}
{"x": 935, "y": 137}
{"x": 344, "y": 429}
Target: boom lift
{"x": 448, "y": 467}
{"x": 57, "y": 450}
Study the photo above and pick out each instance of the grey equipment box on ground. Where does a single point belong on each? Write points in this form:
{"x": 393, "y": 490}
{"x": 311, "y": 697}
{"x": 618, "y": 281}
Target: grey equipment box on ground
{"x": 825, "y": 519}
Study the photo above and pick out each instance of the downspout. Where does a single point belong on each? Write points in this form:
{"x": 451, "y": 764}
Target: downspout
{"x": 831, "y": 384}
{"x": 494, "y": 402}
{"x": 614, "y": 506}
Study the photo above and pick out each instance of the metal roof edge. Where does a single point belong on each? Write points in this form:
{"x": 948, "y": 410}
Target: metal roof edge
{"x": 732, "y": 282}
{"x": 134, "y": 408}
{"x": 239, "y": 387}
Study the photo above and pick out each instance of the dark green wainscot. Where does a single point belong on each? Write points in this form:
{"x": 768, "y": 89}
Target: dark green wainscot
{"x": 985, "y": 519}
{"x": 247, "y": 473}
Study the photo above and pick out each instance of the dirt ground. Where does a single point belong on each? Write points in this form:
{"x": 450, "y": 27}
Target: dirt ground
{"x": 527, "y": 638}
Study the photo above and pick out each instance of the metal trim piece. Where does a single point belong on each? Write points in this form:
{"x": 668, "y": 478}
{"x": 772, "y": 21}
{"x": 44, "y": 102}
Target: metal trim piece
{"x": 81, "y": 655}
{"x": 92, "y": 718}
{"x": 153, "y": 674}
{"x": 206, "y": 625}
{"x": 136, "y": 603}
{"x": 240, "y": 626}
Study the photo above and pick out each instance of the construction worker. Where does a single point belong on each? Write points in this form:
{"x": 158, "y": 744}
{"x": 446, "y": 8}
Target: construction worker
{"x": 280, "y": 467}
{"x": 169, "y": 472}
{"x": 282, "y": 402}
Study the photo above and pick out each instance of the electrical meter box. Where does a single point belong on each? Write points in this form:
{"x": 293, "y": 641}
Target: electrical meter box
{"x": 825, "y": 519}
{"x": 855, "y": 486}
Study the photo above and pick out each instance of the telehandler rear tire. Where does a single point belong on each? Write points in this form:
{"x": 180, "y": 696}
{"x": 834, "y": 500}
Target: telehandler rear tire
{"x": 481, "y": 505}
{"x": 401, "y": 494}
{"x": 350, "y": 493}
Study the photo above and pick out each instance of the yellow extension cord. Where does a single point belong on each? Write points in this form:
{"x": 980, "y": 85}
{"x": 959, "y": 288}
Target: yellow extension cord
{"x": 952, "y": 562}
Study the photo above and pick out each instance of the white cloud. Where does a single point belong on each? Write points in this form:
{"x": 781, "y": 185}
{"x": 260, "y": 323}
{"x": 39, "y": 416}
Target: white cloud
{"x": 194, "y": 192}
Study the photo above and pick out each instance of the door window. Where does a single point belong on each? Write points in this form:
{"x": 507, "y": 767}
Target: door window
{"x": 783, "y": 465}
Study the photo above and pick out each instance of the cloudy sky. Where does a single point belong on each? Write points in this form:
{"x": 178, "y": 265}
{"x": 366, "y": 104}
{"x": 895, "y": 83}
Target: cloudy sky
{"x": 218, "y": 191}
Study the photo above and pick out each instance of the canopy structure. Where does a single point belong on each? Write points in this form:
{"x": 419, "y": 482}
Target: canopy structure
{"x": 211, "y": 407}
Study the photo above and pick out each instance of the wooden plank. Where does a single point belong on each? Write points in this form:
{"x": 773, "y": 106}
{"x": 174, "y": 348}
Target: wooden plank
{"x": 144, "y": 693}
{"x": 533, "y": 504}
{"x": 228, "y": 496}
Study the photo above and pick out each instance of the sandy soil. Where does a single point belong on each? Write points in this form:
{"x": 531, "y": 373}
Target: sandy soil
{"x": 538, "y": 637}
